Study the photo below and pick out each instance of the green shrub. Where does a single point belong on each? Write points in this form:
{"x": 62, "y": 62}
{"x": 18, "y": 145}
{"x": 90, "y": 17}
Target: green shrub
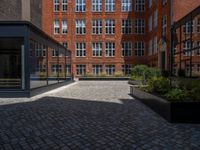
{"x": 144, "y": 73}
{"x": 188, "y": 84}
{"x": 176, "y": 95}
{"x": 195, "y": 93}
{"x": 159, "y": 85}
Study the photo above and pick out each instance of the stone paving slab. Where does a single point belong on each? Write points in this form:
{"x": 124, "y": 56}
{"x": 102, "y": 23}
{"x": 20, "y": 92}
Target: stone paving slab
{"x": 90, "y": 115}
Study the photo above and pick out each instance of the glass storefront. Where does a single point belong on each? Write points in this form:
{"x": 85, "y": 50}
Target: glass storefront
{"x": 11, "y": 63}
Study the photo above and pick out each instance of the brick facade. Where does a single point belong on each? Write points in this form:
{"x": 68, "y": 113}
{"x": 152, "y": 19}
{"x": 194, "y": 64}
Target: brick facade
{"x": 157, "y": 56}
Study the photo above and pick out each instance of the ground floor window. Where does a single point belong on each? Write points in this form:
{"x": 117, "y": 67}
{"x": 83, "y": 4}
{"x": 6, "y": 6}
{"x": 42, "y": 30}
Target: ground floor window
{"x": 56, "y": 68}
{"x": 68, "y": 69}
{"x": 110, "y": 69}
{"x": 97, "y": 69}
{"x": 126, "y": 69}
{"x": 80, "y": 69}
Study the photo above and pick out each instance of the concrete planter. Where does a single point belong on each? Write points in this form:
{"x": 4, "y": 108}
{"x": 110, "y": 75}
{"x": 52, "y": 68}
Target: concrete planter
{"x": 175, "y": 112}
{"x": 103, "y": 78}
{"x": 133, "y": 82}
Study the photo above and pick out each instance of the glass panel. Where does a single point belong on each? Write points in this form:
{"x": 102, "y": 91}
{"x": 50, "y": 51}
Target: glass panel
{"x": 38, "y": 64}
{"x": 10, "y": 64}
{"x": 53, "y": 65}
{"x": 62, "y": 60}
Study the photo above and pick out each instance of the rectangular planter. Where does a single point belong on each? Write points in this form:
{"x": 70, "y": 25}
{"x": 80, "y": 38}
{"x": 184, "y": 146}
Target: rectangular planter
{"x": 175, "y": 112}
{"x": 102, "y": 78}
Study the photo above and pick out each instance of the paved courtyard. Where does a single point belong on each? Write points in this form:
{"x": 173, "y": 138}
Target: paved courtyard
{"x": 90, "y": 115}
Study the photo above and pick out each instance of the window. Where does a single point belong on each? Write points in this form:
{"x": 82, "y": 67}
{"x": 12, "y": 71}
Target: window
{"x": 126, "y": 69}
{"x": 56, "y": 68}
{"x": 56, "y": 5}
{"x": 198, "y": 25}
{"x": 110, "y": 69}
{"x": 150, "y": 23}
{"x": 187, "y": 28}
{"x": 40, "y": 50}
{"x": 64, "y": 27}
{"x": 150, "y": 3}
{"x": 65, "y": 44}
{"x": 164, "y": 2}
{"x": 68, "y": 69}
{"x": 97, "y": 49}
{"x": 80, "y": 49}
{"x": 164, "y": 25}
{"x": 97, "y": 69}
{"x": 96, "y": 5}
{"x": 64, "y": 5}
{"x": 110, "y": 49}
{"x": 198, "y": 50}
{"x": 198, "y": 68}
{"x": 139, "y": 48}
{"x": 55, "y": 53}
{"x": 110, "y": 5}
{"x": 97, "y": 26}
{"x": 80, "y": 6}
{"x": 41, "y": 68}
{"x": 127, "y": 49}
{"x": 139, "y": 26}
{"x": 126, "y": 5}
{"x": 150, "y": 48}
{"x": 126, "y": 26}
{"x": 187, "y": 48}
{"x": 155, "y": 45}
{"x": 139, "y": 5}
{"x": 80, "y": 27}
{"x": 80, "y": 69}
{"x": 110, "y": 26}
{"x": 188, "y": 67}
{"x": 155, "y": 18}
{"x": 56, "y": 27}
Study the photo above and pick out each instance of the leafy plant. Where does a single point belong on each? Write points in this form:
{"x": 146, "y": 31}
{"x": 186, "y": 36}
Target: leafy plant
{"x": 176, "y": 95}
{"x": 144, "y": 73}
{"x": 195, "y": 93}
{"x": 159, "y": 85}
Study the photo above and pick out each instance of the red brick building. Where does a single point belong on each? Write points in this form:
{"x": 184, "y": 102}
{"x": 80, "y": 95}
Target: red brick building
{"x": 109, "y": 36}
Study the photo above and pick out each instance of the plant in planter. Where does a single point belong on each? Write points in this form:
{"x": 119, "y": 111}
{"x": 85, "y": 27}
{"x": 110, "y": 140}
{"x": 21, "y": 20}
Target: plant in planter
{"x": 175, "y": 95}
{"x": 119, "y": 74}
{"x": 144, "y": 73}
{"x": 159, "y": 85}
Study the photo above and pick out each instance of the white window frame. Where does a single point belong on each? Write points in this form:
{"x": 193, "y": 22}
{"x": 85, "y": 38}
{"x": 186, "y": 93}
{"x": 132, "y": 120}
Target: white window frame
{"x": 139, "y": 5}
{"x": 64, "y": 5}
{"x": 64, "y": 27}
{"x": 110, "y": 49}
{"x": 80, "y": 27}
{"x": 187, "y": 45}
{"x": 164, "y": 25}
{"x": 110, "y": 69}
{"x": 127, "y": 49}
{"x": 97, "y": 26}
{"x": 56, "y": 26}
{"x": 110, "y": 5}
{"x": 55, "y": 68}
{"x": 80, "y": 5}
{"x": 127, "y": 26}
{"x": 140, "y": 26}
{"x": 68, "y": 69}
{"x": 56, "y": 4}
{"x": 126, "y": 69}
{"x": 155, "y": 22}
{"x": 139, "y": 48}
{"x": 80, "y": 69}
{"x": 110, "y": 26}
{"x": 150, "y": 23}
{"x": 80, "y": 49}
{"x": 127, "y": 5}
{"x": 187, "y": 27}
{"x": 97, "y": 5}
{"x": 97, "y": 69}
{"x": 97, "y": 49}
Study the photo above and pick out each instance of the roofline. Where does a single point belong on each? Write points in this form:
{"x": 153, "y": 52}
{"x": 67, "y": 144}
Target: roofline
{"x": 34, "y": 28}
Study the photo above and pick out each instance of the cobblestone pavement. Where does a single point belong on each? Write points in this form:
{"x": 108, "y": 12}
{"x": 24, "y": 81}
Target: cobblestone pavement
{"x": 90, "y": 116}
